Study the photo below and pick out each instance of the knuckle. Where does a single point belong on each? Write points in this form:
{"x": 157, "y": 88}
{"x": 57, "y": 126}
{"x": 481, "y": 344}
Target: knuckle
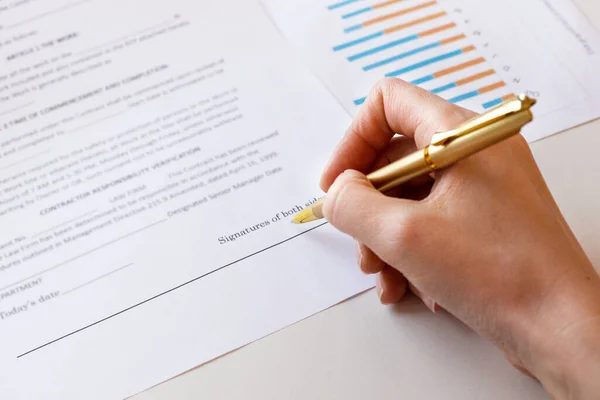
{"x": 408, "y": 232}
{"x": 386, "y": 84}
{"x": 449, "y": 117}
{"x": 387, "y": 88}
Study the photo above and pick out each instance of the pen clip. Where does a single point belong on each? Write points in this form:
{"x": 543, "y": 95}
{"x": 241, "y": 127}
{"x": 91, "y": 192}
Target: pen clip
{"x": 511, "y": 106}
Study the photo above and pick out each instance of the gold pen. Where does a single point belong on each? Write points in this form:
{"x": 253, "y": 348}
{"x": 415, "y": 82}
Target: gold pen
{"x": 446, "y": 148}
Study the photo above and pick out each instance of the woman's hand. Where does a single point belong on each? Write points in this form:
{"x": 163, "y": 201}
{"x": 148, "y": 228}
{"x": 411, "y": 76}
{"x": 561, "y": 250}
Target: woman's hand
{"x": 483, "y": 239}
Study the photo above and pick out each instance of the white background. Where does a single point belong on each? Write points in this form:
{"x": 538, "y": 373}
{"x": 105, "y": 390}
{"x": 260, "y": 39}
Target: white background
{"x": 362, "y": 350}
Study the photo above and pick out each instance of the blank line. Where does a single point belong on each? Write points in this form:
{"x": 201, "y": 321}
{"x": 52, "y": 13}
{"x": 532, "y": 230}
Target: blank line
{"x": 99, "y": 121}
{"x": 57, "y": 10}
{"x": 97, "y": 279}
{"x": 23, "y": 160}
{"x": 123, "y": 37}
{"x": 16, "y": 109}
{"x": 64, "y": 223}
{"x": 83, "y": 255}
{"x": 171, "y": 290}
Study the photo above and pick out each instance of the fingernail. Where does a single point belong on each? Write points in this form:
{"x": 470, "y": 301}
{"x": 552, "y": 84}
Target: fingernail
{"x": 379, "y": 287}
{"x": 359, "y": 255}
{"x": 432, "y": 305}
{"x": 429, "y": 303}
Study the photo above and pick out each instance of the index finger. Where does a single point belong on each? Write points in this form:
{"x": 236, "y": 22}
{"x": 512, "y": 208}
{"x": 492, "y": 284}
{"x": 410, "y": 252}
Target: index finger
{"x": 393, "y": 107}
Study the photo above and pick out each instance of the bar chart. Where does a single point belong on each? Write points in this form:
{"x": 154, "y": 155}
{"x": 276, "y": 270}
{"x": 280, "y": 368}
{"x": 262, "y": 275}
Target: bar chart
{"x": 402, "y": 38}
{"x": 474, "y": 53}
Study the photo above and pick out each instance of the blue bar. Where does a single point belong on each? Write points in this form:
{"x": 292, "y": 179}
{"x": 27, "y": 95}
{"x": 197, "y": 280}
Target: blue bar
{"x": 423, "y": 80}
{"x": 384, "y": 47}
{"x": 357, "y": 41}
{"x": 425, "y": 63}
{"x": 353, "y": 28}
{"x": 492, "y": 103}
{"x": 360, "y": 101}
{"x": 357, "y": 12}
{"x": 341, "y": 4}
{"x": 464, "y": 96}
{"x": 401, "y": 56}
{"x": 444, "y": 88}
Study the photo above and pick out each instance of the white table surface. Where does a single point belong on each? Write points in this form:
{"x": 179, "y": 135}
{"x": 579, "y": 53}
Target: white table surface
{"x": 363, "y": 350}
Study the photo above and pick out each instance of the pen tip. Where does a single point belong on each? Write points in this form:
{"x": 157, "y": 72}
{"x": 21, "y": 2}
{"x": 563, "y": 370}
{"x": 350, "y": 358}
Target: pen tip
{"x": 304, "y": 216}
{"x": 528, "y": 102}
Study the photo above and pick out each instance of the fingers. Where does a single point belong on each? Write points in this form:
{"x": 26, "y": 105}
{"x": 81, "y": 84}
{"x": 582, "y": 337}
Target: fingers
{"x": 368, "y": 261}
{"x": 391, "y": 286}
{"x": 399, "y": 147}
{"x": 394, "y": 106}
{"x": 383, "y": 224}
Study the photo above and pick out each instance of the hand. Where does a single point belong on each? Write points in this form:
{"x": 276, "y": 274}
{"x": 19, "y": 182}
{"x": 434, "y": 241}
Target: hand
{"x": 483, "y": 239}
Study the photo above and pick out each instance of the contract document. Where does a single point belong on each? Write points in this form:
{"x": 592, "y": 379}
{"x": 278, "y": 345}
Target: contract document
{"x": 152, "y": 155}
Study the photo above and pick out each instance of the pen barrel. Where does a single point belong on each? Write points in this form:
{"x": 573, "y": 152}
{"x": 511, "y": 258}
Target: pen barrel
{"x": 462, "y": 147}
{"x": 439, "y": 156}
{"x": 400, "y": 172}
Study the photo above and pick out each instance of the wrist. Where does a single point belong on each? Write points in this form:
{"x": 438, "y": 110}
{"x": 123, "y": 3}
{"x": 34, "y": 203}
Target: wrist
{"x": 563, "y": 348}
{"x": 571, "y": 370}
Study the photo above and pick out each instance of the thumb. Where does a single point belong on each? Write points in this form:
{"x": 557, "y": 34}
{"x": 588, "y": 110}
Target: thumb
{"x": 384, "y": 224}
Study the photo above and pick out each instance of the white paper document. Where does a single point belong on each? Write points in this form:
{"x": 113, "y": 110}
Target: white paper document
{"x": 474, "y": 53}
{"x": 152, "y": 155}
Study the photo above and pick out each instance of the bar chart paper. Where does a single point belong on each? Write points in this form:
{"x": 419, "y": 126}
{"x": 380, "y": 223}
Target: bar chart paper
{"x": 471, "y": 52}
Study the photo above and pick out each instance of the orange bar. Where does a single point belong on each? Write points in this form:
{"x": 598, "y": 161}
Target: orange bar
{"x": 508, "y": 97}
{"x": 475, "y": 77}
{"x": 415, "y": 22}
{"x": 452, "y": 39}
{"x": 491, "y": 87}
{"x": 399, "y": 13}
{"x": 437, "y": 30}
{"x": 386, "y": 3}
{"x": 468, "y": 49}
{"x": 460, "y": 67}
